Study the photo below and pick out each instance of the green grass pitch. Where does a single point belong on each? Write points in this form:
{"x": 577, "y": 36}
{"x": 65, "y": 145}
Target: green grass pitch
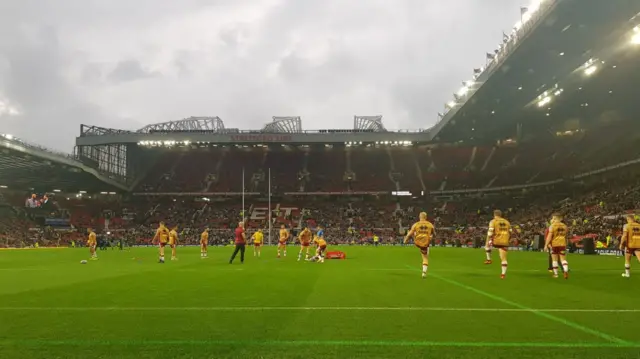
{"x": 372, "y": 305}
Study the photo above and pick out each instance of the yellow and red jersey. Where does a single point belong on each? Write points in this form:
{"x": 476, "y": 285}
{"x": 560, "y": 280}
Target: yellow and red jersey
{"x": 631, "y": 235}
{"x": 422, "y": 233}
{"x": 320, "y": 242}
{"x": 558, "y": 232}
{"x": 173, "y": 237}
{"x": 91, "y": 240}
{"x": 204, "y": 238}
{"x": 500, "y": 231}
{"x": 305, "y": 236}
{"x": 258, "y": 237}
{"x": 284, "y": 235}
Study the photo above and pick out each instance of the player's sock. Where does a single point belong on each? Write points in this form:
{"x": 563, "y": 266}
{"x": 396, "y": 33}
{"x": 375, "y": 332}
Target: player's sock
{"x": 488, "y": 253}
{"x": 285, "y": 253}
{"x": 565, "y": 266}
{"x": 425, "y": 267}
{"x": 554, "y": 265}
{"x": 278, "y": 253}
{"x": 627, "y": 270}
{"x": 504, "y": 267}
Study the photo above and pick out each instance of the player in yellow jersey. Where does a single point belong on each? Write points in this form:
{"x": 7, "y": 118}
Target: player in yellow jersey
{"x": 161, "y": 237}
{"x": 305, "y": 240}
{"x": 204, "y": 242}
{"x": 321, "y": 246}
{"x": 258, "y": 239}
{"x": 499, "y": 236}
{"x": 282, "y": 240}
{"x": 173, "y": 242}
{"x": 422, "y": 233}
{"x": 92, "y": 243}
{"x": 630, "y": 243}
{"x": 557, "y": 241}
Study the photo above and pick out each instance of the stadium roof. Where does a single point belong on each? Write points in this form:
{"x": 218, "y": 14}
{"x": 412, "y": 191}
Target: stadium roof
{"x": 27, "y": 167}
{"x": 578, "y": 64}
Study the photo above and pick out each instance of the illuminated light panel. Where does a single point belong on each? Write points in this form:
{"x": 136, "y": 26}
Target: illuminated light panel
{"x": 635, "y": 39}
{"x": 590, "y": 70}
{"x": 544, "y": 101}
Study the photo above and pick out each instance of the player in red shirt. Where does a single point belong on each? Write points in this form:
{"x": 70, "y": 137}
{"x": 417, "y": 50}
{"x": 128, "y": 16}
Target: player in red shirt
{"x": 240, "y": 241}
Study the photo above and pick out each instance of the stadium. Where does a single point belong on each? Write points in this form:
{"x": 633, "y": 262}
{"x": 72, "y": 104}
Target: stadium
{"x": 545, "y": 126}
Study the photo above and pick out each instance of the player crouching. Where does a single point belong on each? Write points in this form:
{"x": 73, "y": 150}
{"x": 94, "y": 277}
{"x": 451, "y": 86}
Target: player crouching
{"x": 557, "y": 241}
{"x": 321, "y": 246}
{"x": 422, "y": 232}
{"x": 630, "y": 243}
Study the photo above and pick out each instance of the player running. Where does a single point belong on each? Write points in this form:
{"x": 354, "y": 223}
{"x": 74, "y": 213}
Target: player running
{"x": 422, "y": 233}
{"x": 204, "y": 242}
{"x": 258, "y": 239}
{"x": 161, "y": 237}
{"x": 630, "y": 243}
{"x": 173, "y": 242}
{"x": 282, "y": 241}
{"x": 92, "y": 242}
{"x": 557, "y": 241}
{"x": 498, "y": 236}
{"x": 305, "y": 240}
{"x": 321, "y": 246}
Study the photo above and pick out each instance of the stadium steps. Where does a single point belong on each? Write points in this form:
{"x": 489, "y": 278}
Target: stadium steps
{"x": 418, "y": 171}
{"x": 486, "y": 162}
{"x": 472, "y": 158}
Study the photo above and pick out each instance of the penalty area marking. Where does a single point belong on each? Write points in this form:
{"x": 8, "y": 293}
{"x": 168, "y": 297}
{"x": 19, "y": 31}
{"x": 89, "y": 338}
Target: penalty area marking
{"x": 258, "y": 342}
{"x": 259, "y": 309}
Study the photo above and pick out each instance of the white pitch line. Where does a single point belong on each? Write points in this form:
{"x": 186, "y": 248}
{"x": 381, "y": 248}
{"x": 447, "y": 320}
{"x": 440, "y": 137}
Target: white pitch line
{"x": 256, "y": 309}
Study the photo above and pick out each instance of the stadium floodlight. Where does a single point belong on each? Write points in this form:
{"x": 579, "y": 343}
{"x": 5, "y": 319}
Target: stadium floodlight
{"x": 451, "y": 104}
{"x": 463, "y": 91}
{"x": 8, "y": 137}
{"x": 544, "y": 101}
{"x": 57, "y": 191}
{"x": 635, "y": 39}
{"x": 3, "y": 186}
{"x": 590, "y": 70}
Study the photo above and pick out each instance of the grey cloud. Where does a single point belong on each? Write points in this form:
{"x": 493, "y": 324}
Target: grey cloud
{"x": 243, "y": 60}
{"x": 130, "y": 70}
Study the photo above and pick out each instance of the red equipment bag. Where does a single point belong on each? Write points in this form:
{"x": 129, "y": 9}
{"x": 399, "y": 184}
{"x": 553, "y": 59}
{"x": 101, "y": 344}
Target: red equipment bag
{"x": 336, "y": 255}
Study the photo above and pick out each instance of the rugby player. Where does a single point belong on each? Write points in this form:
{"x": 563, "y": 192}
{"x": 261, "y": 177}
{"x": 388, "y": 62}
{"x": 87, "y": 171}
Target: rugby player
{"x": 630, "y": 243}
{"x": 282, "y": 241}
{"x": 422, "y": 233}
{"x": 161, "y": 237}
{"x": 92, "y": 242}
{"x": 258, "y": 239}
{"x": 173, "y": 242}
{"x": 498, "y": 236}
{"x": 321, "y": 246}
{"x": 557, "y": 241}
{"x": 305, "y": 240}
{"x": 204, "y": 242}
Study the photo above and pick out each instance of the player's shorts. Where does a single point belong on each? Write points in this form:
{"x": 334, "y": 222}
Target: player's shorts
{"x": 257, "y": 244}
{"x": 172, "y": 244}
{"x": 559, "y": 250}
{"x": 489, "y": 244}
{"x": 632, "y": 251}
{"x": 305, "y": 244}
{"x": 423, "y": 249}
{"x": 322, "y": 249}
{"x": 282, "y": 243}
{"x": 500, "y": 246}
{"x": 162, "y": 244}
{"x": 92, "y": 245}
{"x": 204, "y": 243}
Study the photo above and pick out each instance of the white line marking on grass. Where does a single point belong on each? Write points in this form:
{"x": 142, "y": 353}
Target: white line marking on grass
{"x": 381, "y": 309}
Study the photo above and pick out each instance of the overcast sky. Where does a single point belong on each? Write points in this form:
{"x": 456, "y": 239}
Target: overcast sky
{"x": 128, "y": 63}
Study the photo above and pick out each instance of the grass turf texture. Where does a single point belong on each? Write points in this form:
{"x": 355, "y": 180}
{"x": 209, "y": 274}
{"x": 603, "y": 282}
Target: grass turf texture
{"x": 126, "y": 305}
